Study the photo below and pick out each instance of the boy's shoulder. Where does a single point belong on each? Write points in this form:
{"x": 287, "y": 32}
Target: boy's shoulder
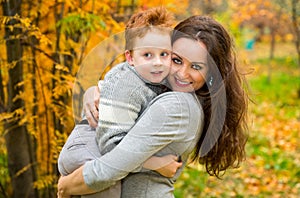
{"x": 120, "y": 69}
{"x": 123, "y": 73}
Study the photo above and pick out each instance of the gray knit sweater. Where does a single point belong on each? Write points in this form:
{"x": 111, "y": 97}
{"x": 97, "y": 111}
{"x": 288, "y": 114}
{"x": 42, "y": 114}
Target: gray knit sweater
{"x": 171, "y": 124}
{"x": 124, "y": 96}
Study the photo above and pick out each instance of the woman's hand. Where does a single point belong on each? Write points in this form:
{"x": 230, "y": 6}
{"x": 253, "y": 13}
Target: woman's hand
{"x": 90, "y": 105}
{"x": 170, "y": 169}
{"x": 165, "y": 165}
{"x": 73, "y": 184}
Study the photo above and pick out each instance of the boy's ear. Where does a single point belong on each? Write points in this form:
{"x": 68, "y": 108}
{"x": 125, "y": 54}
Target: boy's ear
{"x": 128, "y": 57}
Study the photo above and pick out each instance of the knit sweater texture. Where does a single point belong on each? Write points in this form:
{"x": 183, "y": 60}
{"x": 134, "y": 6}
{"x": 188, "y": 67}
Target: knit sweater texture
{"x": 124, "y": 96}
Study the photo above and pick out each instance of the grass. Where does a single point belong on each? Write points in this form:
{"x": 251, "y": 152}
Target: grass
{"x": 272, "y": 168}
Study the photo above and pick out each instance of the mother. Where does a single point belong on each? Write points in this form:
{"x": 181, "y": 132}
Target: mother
{"x": 204, "y": 114}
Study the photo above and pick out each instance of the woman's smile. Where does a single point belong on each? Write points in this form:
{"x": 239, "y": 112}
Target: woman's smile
{"x": 181, "y": 83}
{"x": 189, "y": 65}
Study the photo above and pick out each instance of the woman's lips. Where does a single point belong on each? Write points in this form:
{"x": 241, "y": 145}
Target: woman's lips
{"x": 181, "y": 83}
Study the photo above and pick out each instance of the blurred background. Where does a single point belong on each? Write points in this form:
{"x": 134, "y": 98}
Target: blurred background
{"x": 45, "y": 44}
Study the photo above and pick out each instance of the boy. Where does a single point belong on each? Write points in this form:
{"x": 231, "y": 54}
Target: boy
{"x": 125, "y": 93}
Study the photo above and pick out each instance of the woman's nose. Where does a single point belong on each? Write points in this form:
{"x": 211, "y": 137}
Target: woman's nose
{"x": 183, "y": 72}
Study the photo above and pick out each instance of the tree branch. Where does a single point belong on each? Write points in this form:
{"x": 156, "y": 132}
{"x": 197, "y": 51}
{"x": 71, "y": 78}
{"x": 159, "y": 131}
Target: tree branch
{"x": 39, "y": 50}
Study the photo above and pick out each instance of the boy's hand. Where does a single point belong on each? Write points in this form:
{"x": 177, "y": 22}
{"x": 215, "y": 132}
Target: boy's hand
{"x": 90, "y": 105}
{"x": 61, "y": 193}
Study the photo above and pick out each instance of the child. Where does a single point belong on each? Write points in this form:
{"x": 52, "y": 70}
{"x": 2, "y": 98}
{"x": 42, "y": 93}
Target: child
{"x": 125, "y": 93}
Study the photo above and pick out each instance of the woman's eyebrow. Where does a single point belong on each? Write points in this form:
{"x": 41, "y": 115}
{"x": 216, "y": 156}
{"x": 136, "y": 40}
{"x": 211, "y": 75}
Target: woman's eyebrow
{"x": 193, "y": 63}
{"x": 198, "y": 63}
{"x": 176, "y": 55}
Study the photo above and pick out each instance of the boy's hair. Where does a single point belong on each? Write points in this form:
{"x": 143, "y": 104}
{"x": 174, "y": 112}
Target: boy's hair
{"x": 142, "y": 22}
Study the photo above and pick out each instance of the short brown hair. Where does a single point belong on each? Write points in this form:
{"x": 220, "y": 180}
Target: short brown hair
{"x": 142, "y": 22}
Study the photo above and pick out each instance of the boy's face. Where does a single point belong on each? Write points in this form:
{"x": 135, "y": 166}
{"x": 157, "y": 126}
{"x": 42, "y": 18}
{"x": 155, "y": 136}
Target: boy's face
{"x": 151, "y": 56}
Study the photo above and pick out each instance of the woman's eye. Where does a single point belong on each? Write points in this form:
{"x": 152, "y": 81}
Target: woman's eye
{"x": 177, "y": 61}
{"x": 196, "y": 67}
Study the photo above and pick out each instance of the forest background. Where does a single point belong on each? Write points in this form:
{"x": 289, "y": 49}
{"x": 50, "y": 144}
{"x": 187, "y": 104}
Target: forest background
{"x": 45, "y": 44}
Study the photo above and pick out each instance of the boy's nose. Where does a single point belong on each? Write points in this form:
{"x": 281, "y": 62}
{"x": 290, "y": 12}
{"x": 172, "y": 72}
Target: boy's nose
{"x": 157, "y": 62}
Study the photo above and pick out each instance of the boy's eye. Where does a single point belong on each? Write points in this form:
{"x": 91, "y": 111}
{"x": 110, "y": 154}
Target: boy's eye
{"x": 164, "y": 54}
{"x": 196, "y": 67}
{"x": 147, "y": 55}
{"x": 177, "y": 61}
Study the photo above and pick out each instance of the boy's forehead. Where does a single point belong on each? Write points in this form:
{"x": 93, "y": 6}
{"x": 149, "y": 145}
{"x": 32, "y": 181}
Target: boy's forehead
{"x": 154, "y": 39}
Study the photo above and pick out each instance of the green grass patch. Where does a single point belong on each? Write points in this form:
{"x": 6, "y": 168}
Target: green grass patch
{"x": 287, "y": 62}
{"x": 278, "y": 87}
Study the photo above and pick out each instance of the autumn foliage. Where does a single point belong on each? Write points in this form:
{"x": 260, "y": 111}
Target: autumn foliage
{"x": 46, "y": 41}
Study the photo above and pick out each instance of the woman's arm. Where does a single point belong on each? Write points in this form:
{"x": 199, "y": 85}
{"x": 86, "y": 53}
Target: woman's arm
{"x": 167, "y": 120}
{"x": 165, "y": 165}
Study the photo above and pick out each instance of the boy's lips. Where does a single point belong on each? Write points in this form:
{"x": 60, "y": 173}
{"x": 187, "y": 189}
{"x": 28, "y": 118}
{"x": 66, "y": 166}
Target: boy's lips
{"x": 156, "y": 72}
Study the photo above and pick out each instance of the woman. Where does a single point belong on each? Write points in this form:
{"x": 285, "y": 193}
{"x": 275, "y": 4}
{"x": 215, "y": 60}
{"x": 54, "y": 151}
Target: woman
{"x": 204, "y": 114}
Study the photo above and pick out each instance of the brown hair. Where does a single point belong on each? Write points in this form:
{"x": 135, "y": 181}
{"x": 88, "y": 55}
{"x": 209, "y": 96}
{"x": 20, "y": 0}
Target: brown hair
{"x": 224, "y": 101}
{"x": 142, "y": 22}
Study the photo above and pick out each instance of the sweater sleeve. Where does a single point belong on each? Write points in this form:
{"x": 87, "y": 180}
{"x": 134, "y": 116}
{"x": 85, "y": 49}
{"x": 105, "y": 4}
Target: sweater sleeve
{"x": 165, "y": 121}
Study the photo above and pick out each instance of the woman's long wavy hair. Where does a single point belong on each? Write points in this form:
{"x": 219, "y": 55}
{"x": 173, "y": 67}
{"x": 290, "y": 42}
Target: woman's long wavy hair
{"x": 224, "y": 98}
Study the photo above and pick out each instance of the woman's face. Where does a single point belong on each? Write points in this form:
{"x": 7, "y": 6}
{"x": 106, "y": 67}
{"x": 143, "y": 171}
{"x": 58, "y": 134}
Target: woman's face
{"x": 189, "y": 65}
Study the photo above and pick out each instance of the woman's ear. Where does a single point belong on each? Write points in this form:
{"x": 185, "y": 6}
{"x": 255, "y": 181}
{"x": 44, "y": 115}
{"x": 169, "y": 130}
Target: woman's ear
{"x": 128, "y": 57}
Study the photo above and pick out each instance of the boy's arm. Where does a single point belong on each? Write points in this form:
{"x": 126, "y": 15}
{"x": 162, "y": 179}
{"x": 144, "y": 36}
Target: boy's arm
{"x": 90, "y": 107}
{"x": 166, "y": 165}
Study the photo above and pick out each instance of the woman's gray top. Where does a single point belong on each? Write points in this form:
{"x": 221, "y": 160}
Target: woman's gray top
{"x": 172, "y": 124}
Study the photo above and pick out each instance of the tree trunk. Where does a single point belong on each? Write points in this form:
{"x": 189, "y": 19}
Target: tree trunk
{"x": 207, "y": 7}
{"x": 2, "y": 96}
{"x": 17, "y": 138}
{"x": 296, "y": 28}
{"x": 194, "y": 5}
{"x": 272, "y": 49}
{"x": 274, "y": 27}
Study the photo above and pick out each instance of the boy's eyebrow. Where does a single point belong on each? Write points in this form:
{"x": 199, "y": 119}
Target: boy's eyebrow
{"x": 150, "y": 47}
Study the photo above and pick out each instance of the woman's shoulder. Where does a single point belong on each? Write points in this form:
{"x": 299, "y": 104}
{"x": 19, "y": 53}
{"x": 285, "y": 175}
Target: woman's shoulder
{"x": 178, "y": 101}
{"x": 177, "y": 96}
{"x": 181, "y": 109}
